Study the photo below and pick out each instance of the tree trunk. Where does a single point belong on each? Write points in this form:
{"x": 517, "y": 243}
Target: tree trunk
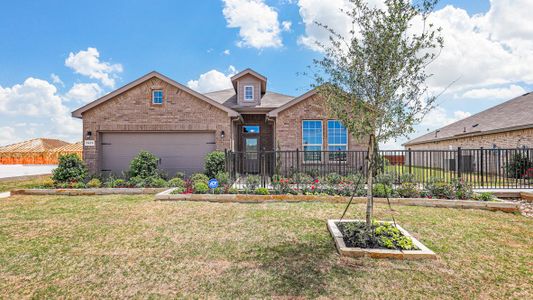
{"x": 370, "y": 181}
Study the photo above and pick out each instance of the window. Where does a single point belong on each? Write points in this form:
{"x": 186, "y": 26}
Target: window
{"x": 337, "y": 140}
{"x": 250, "y": 129}
{"x": 157, "y": 97}
{"x": 312, "y": 140}
{"x": 248, "y": 93}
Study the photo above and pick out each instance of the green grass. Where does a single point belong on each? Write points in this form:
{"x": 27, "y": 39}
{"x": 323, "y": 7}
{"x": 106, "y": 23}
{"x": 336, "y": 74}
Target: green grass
{"x": 22, "y": 184}
{"x": 131, "y": 246}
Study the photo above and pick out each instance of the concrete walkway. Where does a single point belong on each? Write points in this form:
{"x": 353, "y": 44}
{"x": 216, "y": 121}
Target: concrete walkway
{"x": 5, "y": 195}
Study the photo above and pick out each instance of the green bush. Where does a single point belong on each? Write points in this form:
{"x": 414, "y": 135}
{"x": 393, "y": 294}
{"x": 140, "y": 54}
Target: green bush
{"x": 78, "y": 185}
{"x": 332, "y": 178}
{"x": 408, "y": 190}
{"x": 200, "y": 188}
{"x": 199, "y": 177}
{"x": 313, "y": 173}
{"x": 176, "y": 182}
{"x": 462, "y": 189}
{"x": 223, "y": 178}
{"x": 149, "y": 182}
{"x": 214, "y": 163}
{"x": 261, "y": 191}
{"x": 408, "y": 177}
{"x": 178, "y": 190}
{"x": 252, "y": 182}
{"x": 518, "y": 166}
{"x": 115, "y": 183}
{"x": 301, "y": 178}
{"x": 70, "y": 169}
{"x": 438, "y": 188}
{"x": 381, "y": 190}
{"x": 144, "y": 165}
{"x": 392, "y": 238}
{"x": 386, "y": 179}
{"x": 94, "y": 183}
{"x": 180, "y": 175}
{"x": 233, "y": 191}
{"x": 354, "y": 178}
{"x": 485, "y": 196}
{"x": 357, "y": 234}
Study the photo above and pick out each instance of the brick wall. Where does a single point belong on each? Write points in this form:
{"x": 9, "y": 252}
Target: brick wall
{"x": 509, "y": 139}
{"x": 288, "y": 126}
{"x": 133, "y": 111}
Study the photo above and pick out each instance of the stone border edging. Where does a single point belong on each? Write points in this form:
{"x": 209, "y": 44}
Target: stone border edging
{"x": 88, "y": 192}
{"x": 240, "y": 198}
{"x": 423, "y": 252}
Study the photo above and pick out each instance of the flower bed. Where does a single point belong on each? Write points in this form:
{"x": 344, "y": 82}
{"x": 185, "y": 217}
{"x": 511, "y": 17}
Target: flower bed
{"x": 387, "y": 240}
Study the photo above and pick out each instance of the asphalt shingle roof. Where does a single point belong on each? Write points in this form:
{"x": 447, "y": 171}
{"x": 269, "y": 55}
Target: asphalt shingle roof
{"x": 228, "y": 98}
{"x": 513, "y": 114}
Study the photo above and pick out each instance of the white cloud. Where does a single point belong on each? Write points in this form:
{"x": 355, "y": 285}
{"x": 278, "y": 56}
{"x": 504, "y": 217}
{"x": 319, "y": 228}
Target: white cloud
{"x": 213, "y": 80}
{"x": 88, "y": 63}
{"x": 37, "y": 99}
{"x": 84, "y": 92}
{"x": 56, "y": 79}
{"x": 503, "y": 93}
{"x": 226, "y": 52}
{"x": 439, "y": 117}
{"x": 7, "y": 136}
{"x": 494, "y": 48}
{"x": 257, "y": 22}
{"x": 286, "y": 25}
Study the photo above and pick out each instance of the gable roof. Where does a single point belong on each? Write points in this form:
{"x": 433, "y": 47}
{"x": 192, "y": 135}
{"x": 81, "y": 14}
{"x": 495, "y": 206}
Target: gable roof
{"x": 78, "y": 112}
{"x": 269, "y": 100}
{"x": 275, "y": 112}
{"x": 34, "y": 145}
{"x": 514, "y": 114}
{"x": 249, "y": 71}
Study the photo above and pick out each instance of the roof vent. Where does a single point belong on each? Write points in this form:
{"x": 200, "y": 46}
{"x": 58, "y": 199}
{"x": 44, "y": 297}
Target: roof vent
{"x": 436, "y": 132}
{"x": 526, "y": 94}
{"x": 475, "y": 125}
{"x": 464, "y": 129}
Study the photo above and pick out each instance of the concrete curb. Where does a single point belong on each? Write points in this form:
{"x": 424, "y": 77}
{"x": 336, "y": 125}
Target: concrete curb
{"x": 423, "y": 252}
{"x": 88, "y": 192}
{"x": 239, "y": 198}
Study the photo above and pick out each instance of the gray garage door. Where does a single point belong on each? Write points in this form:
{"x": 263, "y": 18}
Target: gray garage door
{"x": 183, "y": 151}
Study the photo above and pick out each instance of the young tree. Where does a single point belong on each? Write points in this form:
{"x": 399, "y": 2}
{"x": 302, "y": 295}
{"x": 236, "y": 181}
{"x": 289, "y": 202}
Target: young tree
{"x": 374, "y": 81}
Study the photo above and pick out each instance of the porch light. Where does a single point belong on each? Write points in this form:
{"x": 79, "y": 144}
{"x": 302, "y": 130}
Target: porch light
{"x": 89, "y": 135}
{"x": 222, "y": 134}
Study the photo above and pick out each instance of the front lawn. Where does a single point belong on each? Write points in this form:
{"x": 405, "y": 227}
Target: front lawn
{"x": 12, "y": 184}
{"x": 131, "y": 246}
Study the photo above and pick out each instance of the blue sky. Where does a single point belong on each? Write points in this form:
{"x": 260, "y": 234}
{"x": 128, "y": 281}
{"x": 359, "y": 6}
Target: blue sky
{"x": 57, "y": 55}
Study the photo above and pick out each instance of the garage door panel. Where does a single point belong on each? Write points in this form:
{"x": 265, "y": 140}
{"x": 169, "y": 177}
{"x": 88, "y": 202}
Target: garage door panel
{"x": 183, "y": 151}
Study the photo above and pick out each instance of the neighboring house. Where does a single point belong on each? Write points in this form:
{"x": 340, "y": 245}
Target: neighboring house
{"x": 181, "y": 126}
{"x": 508, "y": 125}
{"x": 32, "y": 152}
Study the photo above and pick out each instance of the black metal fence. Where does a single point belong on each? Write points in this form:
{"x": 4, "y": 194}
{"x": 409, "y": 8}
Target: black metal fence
{"x": 483, "y": 168}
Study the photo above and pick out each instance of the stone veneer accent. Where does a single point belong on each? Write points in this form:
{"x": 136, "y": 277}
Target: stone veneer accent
{"x": 288, "y": 127}
{"x": 133, "y": 111}
{"x": 503, "y": 140}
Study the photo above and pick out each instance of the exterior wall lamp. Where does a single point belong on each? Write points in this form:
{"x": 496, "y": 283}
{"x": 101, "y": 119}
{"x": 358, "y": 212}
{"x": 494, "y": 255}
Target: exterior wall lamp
{"x": 89, "y": 135}
{"x": 222, "y": 134}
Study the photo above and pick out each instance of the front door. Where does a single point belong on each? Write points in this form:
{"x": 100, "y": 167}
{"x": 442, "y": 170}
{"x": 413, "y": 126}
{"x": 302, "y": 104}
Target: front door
{"x": 251, "y": 155}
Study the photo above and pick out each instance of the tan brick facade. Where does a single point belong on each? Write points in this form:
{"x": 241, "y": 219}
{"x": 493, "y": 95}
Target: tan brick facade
{"x": 134, "y": 111}
{"x": 502, "y": 140}
{"x": 288, "y": 127}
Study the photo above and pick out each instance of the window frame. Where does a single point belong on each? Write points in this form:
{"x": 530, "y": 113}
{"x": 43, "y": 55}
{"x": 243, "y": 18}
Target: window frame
{"x": 334, "y": 145}
{"x": 253, "y": 96}
{"x": 162, "y": 96}
{"x": 313, "y": 145}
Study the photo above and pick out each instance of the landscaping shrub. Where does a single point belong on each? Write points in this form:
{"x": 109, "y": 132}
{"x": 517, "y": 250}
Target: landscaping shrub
{"x": 462, "y": 189}
{"x": 485, "y": 196}
{"x": 178, "y": 190}
{"x": 223, "y": 178}
{"x": 261, "y": 191}
{"x": 391, "y": 237}
{"x": 200, "y": 188}
{"x": 144, "y": 165}
{"x": 313, "y": 173}
{"x": 180, "y": 175}
{"x": 408, "y": 190}
{"x": 438, "y": 188}
{"x": 382, "y": 190}
{"x": 214, "y": 163}
{"x": 115, "y": 183}
{"x": 152, "y": 182}
{"x": 70, "y": 169}
{"x": 281, "y": 185}
{"x": 78, "y": 185}
{"x": 353, "y": 178}
{"x": 332, "y": 178}
{"x": 176, "y": 182}
{"x": 199, "y": 177}
{"x": 252, "y": 182}
{"x": 386, "y": 179}
{"x": 301, "y": 178}
{"x": 408, "y": 177}
{"x": 357, "y": 234}
{"x": 518, "y": 166}
{"x": 233, "y": 191}
{"x": 47, "y": 183}
{"x": 94, "y": 183}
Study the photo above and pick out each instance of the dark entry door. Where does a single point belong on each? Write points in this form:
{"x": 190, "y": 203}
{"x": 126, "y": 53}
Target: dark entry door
{"x": 251, "y": 155}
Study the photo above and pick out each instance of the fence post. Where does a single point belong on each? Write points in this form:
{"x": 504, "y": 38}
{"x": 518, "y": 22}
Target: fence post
{"x": 410, "y": 161}
{"x": 481, "y": 167}
{"x": 297, "y": 160}
{"x": 459, "y": 162}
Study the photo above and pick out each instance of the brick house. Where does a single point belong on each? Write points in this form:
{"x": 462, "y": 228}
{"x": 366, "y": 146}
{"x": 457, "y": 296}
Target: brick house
{"x": 506, "y": 126}
{"x": 181, "y": 126}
